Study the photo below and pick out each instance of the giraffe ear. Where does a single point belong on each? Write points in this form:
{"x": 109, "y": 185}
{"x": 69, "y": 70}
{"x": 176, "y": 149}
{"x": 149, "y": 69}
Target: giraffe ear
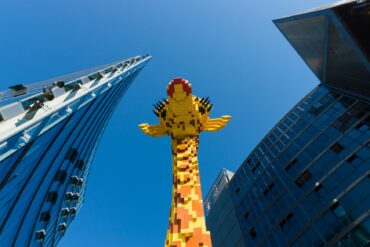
{"x": 153, "y": 130}
{"x": 216, "y": 123}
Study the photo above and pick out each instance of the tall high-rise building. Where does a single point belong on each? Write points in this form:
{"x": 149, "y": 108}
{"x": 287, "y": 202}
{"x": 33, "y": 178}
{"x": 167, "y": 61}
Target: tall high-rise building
{"x": 307, "y": 183}
{"x": 49, "y": 132}
{"x": 222, "y": 219}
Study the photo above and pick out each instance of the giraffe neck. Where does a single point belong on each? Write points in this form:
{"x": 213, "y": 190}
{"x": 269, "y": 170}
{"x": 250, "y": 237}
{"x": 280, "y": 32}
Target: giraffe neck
{"x": 187, "y": 227}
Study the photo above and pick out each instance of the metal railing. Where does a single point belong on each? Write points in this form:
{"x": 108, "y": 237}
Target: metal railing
{"x": 10, "y": 96}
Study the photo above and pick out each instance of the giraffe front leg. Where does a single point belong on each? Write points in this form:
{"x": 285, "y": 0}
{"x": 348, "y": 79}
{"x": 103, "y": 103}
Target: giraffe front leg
{"x": 153, "y": 130}
{"x": 216, "y": 123}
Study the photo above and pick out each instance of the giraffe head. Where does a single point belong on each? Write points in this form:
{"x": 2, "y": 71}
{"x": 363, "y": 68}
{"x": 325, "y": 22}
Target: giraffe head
{"x": 179, "y": 90}
{"x": 183, "y": 114}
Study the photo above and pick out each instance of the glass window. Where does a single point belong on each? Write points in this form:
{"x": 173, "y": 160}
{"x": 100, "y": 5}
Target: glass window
{"x": 52, "y": 197}
{"x": 80, "y": 164}
{"x": 337, "y": 148}
{"x": 71, "y": 154}
{"x": 354, "y": 160}
{"x": 45, "y": 216}
{"x": 256, "y": 166}
{"x": 346, "y": 101}
{"x": 303, "y": 178}
{"x": 291, "y": 164}
{"x": 268, "y": 189}
{"x": 253, "y": 233}
{"x": 246, "y": 215}
{"x": 284, "y": 224}
{"x": 60, "y": 176}
{"x": 343, "y": 122}
{"x": 357, "y": 237}
{"x": 341, "y": 213}
{"x": 366, "y": 224}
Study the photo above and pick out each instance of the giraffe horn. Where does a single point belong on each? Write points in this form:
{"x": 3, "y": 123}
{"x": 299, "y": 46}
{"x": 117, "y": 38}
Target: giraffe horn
{"x": 206, "y": 101}
{"x": 157, "y": 107}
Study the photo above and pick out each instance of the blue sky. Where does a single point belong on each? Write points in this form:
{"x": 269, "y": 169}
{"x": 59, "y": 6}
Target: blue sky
{"x": 229, "y": 50}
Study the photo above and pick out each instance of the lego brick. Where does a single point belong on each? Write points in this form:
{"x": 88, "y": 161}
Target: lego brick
{"x": 183, "y": 117}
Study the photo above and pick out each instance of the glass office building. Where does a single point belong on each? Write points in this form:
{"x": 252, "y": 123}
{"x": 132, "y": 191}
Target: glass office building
{"x": 307, "y": 183}
{"x": 49, "y": 132}
{"x": 222, "y": 218}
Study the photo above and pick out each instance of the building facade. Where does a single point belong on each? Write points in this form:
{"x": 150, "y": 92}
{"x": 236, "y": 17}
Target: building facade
{"x": 49, "y": 132}
{"x": 307, "y": 183}
{"x": 221, "y": 215}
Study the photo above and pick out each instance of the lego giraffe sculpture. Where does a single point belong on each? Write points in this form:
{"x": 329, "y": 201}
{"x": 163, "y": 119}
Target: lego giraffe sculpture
{"x": 183, "y": 116}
